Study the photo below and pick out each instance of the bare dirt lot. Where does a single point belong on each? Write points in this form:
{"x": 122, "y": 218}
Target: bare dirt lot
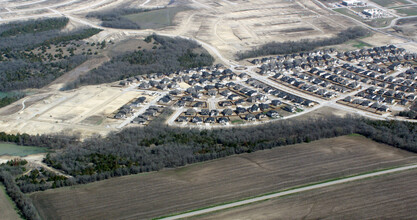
{"x": 66, "y": 111}
{"x": 386, "y": 197}
{"x": 232, "y": 26}
{"x": 232, "y": 178}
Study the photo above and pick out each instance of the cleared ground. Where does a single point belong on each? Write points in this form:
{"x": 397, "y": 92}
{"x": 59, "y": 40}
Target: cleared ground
{"x": 66, "y": 111}
{"x": 7, "y": 208}
{"x": 228, "y": 179}
{"x": 232, "y": 26}
{"x": 385, "y": 197}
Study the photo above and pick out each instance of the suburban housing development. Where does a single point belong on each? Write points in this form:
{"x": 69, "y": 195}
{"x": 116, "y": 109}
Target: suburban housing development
{"x": 208, "y": 109}
{"x": 377, "y": 81}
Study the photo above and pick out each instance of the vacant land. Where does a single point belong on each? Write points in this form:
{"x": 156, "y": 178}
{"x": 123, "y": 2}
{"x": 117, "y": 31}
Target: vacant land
{"x": 66, "y": 111}
{"x": 6, "y": 206}
{"x": 232, "y": 178}
{"x": 155, "y": 19}
{"x": 385, "y": 197}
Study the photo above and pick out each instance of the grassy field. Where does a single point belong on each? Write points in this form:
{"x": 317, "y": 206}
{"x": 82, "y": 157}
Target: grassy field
{"x": 18, "y": 150}
{"x": 391, "y": 3}
{"x": 156, "y": 18}
{"x": 3, "y": 94}
{"x": 7, "y": 208}
{"x": 236, "y": 177}
{"x": 385, "y": 197}
{"x": 410, "y": 11}
{"x": 360, "y": 44}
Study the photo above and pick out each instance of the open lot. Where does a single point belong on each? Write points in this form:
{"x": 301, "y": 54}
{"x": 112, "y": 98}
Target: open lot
{"x": 385, "y": 197}
{"x": 87, "y": 110}
{"x": 232, "y": 26}
{"x": 232, "y": 178}
{"x": 155, "y": 19}
{"x": 7, "y": 208}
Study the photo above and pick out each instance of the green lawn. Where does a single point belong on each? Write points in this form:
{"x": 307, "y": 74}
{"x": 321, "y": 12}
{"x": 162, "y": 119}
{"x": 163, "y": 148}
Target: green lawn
{"x": 7, "y": 98}
{"x": 155, "y": 18}
{"x": 3, "y": 94}
{"x": 391, "y": 3}
{"x": 410, "y": 11}
{"x": 360, "y": 44}
{"x": 238, "y": 122}
{"x": 17, "y": 150}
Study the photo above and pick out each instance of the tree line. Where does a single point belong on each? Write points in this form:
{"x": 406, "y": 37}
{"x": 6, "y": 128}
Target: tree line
{"x": 32, "y": 26}
{"x": 158, "y": 146}
{"x": 10, "y": 98}
{"x": 288, "y": 47}
{"x": 24, "y": 203}
{"x": 168, "y": 55}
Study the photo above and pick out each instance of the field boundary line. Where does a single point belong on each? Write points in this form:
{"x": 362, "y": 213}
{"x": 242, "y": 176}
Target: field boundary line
{"x": 289, "y": 191}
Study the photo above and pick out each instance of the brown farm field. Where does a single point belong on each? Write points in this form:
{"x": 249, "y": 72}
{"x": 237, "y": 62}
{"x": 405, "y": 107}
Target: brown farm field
{"x": 385, "y": 197}
{"x": 236, "y": 177}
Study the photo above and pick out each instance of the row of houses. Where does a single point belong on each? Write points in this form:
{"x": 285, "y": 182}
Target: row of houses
{"x": 298, "y": 64}
{"x": 148, "y": 115}
{"x": 282, "y": 58}
{"x": 225, "y": 119}
{"x": 367, "y": 103}
{"x": 282, "y": 94}
{"x": 200, "y": 120}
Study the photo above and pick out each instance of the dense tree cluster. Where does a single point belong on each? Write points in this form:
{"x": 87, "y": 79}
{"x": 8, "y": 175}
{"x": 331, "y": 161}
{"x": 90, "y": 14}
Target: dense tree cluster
{"x": 55, "y": 141}
{"x": 8, "y": 99}
{"x": 412, "y": 113}
{"x": 21, "y": 67}
{"x": 7, "y": 174}
{"x": 22, "y": 74}
{"x": 275, "y": 48}
{"x": 115, "y": 18}
{"x": 395, "y": 133}
{"x": 32, "y": 26}
{"x": 169, "y": 54}
{"x": 39, "y": 179}
{"x": 158, "y": 146}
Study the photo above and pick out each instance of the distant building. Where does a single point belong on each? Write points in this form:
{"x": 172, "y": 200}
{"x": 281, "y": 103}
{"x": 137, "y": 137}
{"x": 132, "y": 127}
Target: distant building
{"x": 374, "y": 13}
{"x": 352, "y": 3}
